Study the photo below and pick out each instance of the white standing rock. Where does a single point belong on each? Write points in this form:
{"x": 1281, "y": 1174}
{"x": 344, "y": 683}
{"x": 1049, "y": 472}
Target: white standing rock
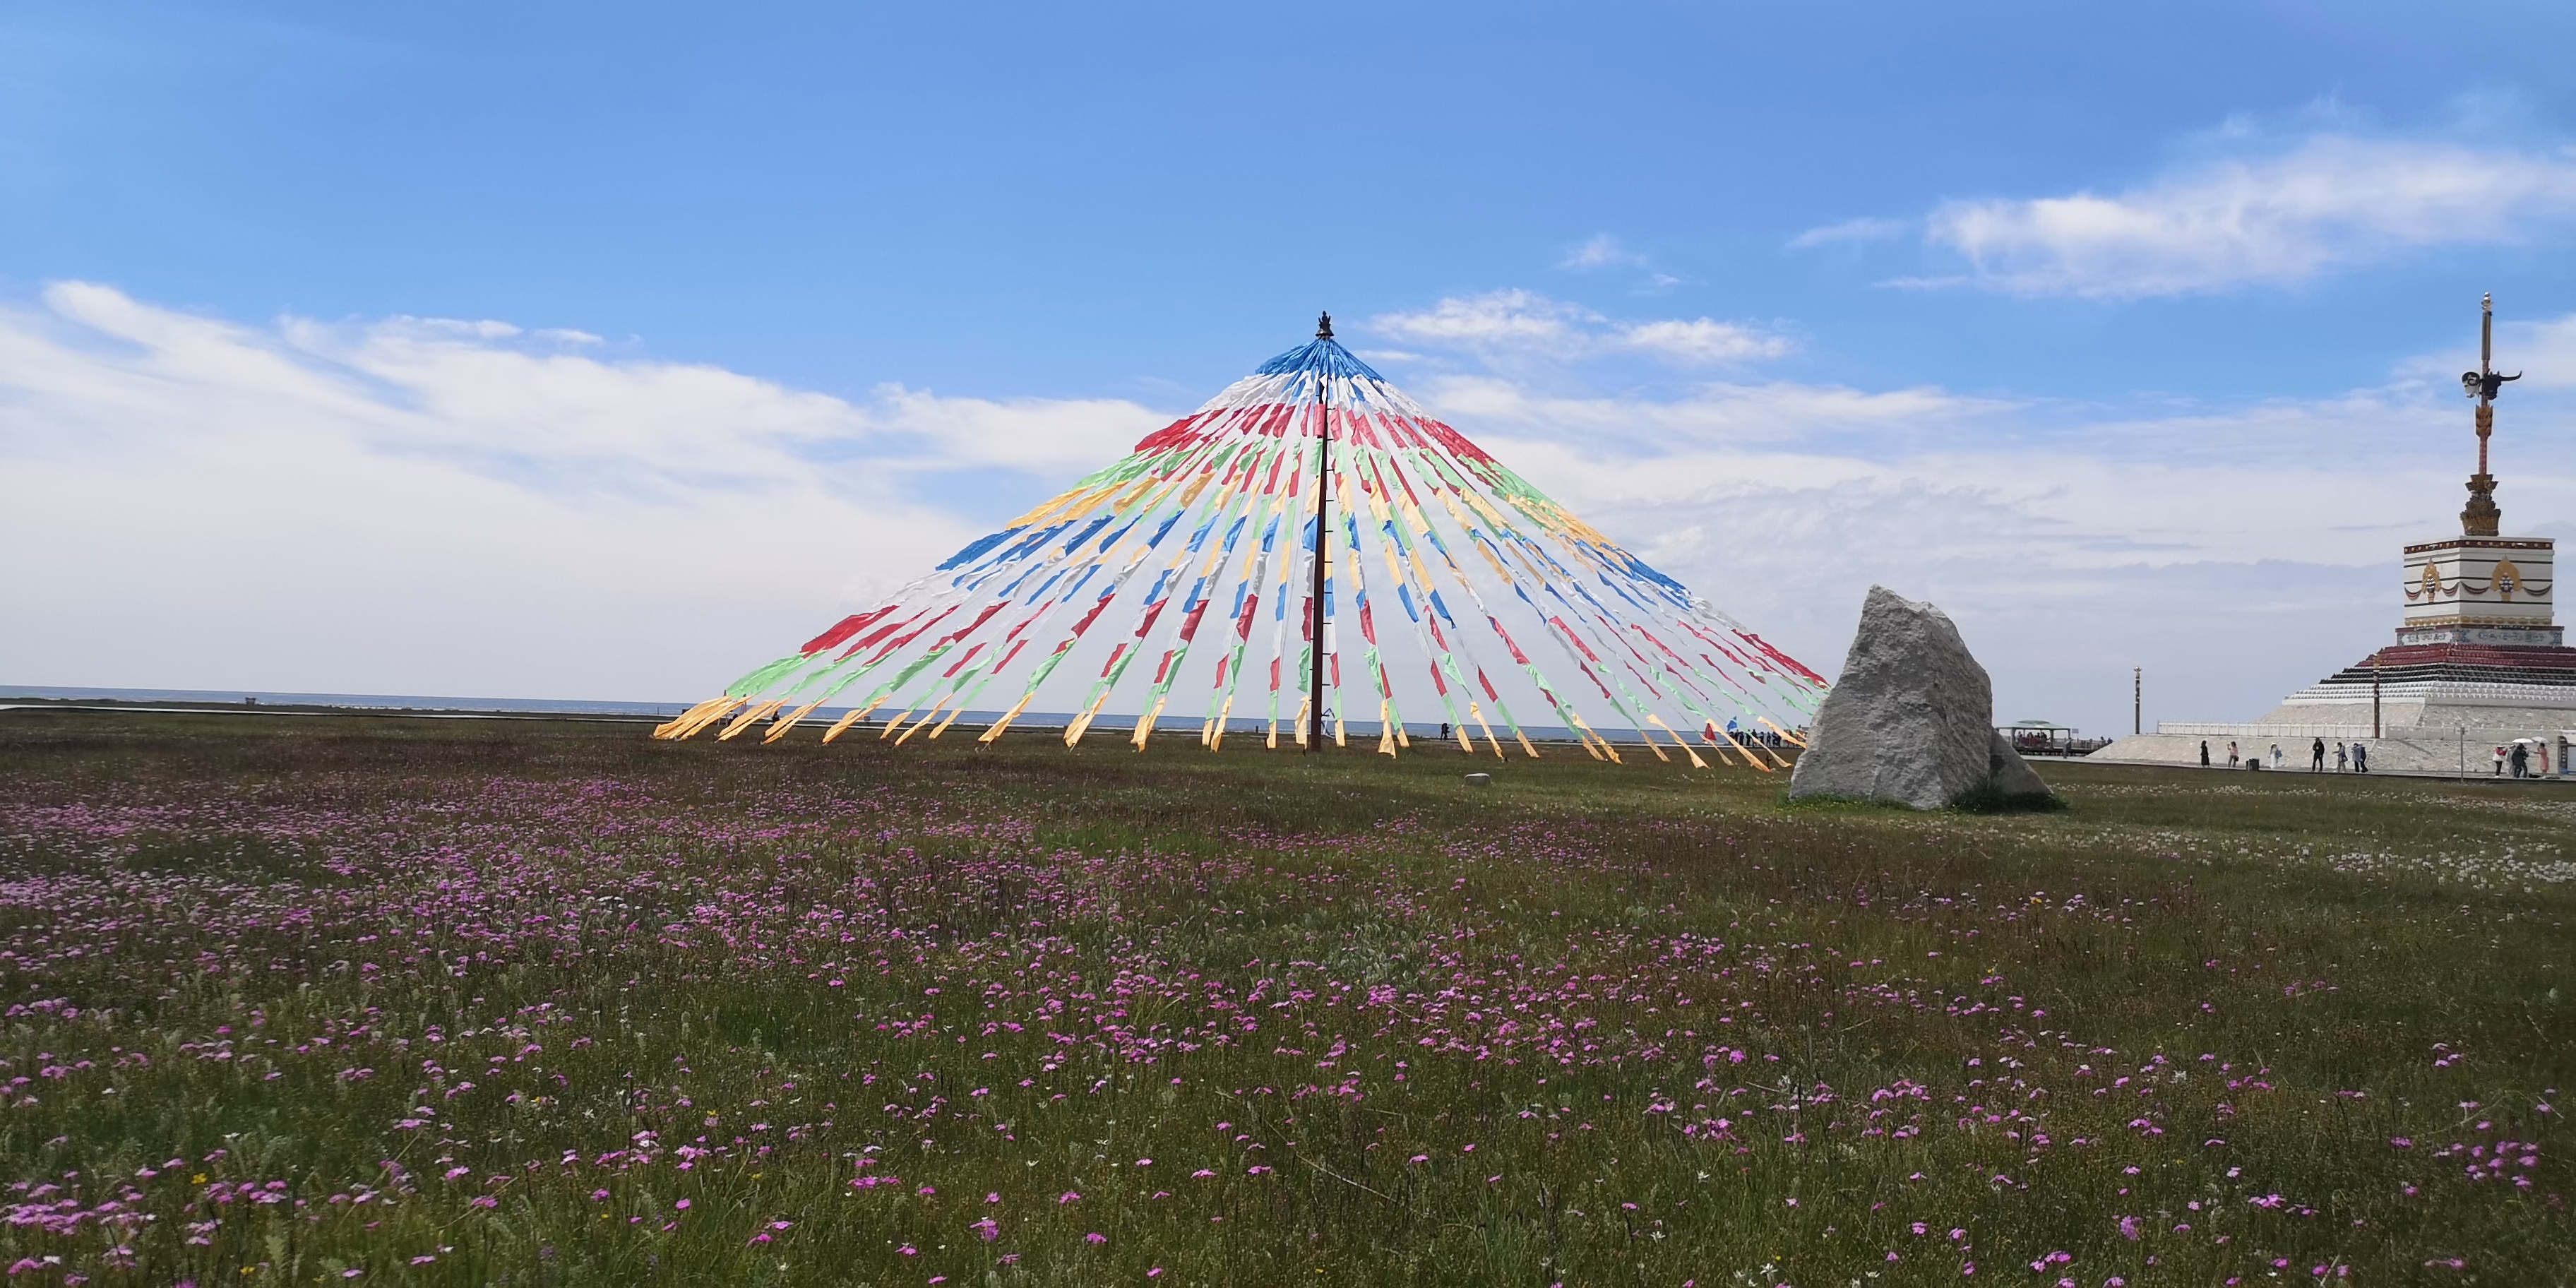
{"x": 1911, "y": 718}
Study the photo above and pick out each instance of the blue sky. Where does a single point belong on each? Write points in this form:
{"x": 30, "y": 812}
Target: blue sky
{"x": 2124, "y": 336}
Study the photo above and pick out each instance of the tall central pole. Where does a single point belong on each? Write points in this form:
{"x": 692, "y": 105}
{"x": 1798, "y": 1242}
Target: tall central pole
{"x": 1323, "y": 529}
{"x": 2486, "y": 367}
{"x": 2481, "y": 518}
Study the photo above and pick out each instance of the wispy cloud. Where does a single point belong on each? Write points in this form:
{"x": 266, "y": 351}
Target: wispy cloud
{"x": 2330, "y": 202}
{"x": 1702, "y": 340}
{"x": 1520, "y": 322}
{"x": 2545, "y": 350}
{"x": 1824, "y": 418}
{"x": 1495, "y": 318}
{"x": 1602, "y": 251}
{"x": 1850, "y": 230}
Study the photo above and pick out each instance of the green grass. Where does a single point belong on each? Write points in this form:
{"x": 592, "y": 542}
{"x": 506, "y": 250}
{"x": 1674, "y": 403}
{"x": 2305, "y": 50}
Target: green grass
{"x": 268, "y": 953}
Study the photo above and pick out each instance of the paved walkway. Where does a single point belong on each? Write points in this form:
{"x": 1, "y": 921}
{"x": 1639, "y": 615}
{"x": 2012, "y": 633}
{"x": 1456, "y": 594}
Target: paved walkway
{"x": 2478, "y": 771}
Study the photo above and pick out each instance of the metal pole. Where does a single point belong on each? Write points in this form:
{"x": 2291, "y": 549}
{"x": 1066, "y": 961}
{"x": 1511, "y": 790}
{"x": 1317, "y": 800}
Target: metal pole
{"x": 2137, "y": 699}
{"x": 1323, "y": 502}
{"x": 2481, "y": 517}
{"x": 2464, "y": 753}
{"x": 2374, "y": 695}
{"x": 2486, "y": 366}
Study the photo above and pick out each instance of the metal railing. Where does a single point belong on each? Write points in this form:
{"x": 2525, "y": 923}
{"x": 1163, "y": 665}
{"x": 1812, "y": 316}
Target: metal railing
{"x": 2206, "y": 729}
{"x": 2505, "y": 694}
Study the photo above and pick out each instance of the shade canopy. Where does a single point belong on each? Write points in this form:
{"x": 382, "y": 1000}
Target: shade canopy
{"x": 1175, "y": 589}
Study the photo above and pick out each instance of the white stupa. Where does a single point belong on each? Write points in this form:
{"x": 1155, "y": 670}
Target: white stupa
{"x": 2479, "y": 660}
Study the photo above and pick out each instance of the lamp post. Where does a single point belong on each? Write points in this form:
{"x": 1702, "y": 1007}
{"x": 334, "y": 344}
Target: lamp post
{"x": 2137, "y": 699}
{"x": 2374, "y": 693}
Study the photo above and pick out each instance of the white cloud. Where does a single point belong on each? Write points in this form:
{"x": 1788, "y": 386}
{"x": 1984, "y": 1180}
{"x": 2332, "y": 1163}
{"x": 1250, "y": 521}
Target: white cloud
{"x": 1849, "y": 230}
{"x": 2544, "y": 351}
{"x": 1523, "y": 322}
{"x": 1051, "y": 437}
{"x": 1716, "y": 414}
{"x": 2332, "y": 201}
{"x": 1704, "y": 341}
{"x": 430, "y": 506}
{"x": 2314, "y": 480}
{"x": 1495, "y": 318}
{"x": 1602, "y": 251}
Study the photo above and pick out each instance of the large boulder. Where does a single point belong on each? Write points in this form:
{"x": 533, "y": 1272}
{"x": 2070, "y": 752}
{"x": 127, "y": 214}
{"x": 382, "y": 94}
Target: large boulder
{"x": 1911, "y": 719}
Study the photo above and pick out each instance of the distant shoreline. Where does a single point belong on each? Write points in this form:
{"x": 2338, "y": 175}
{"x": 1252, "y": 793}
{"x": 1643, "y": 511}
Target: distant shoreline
{"x": 238, "y": 700}
{"x": 36, "y": 697}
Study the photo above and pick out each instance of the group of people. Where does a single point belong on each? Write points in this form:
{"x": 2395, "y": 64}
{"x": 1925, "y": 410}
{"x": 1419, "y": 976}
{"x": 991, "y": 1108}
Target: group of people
{"x": 2352, "y": 757}
{"x": 2520, "y": 758}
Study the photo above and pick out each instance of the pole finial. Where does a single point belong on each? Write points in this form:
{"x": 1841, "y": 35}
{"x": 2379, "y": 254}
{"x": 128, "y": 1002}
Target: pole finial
{"x": 1324, "y": 326}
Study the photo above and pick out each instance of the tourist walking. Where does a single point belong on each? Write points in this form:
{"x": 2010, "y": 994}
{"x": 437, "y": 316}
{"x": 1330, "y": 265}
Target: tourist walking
{"x": 2499, "y": 762}
{"x": 2521, "y": 759}
{"x": 2360, "y": 759}
{"x": 2317, "y": 756}
{"x": 2342, "y": 758}
{"x": 2204, "y": 753}
{"x": 2276, "y": 755}
{"x": 2231, "y": 754}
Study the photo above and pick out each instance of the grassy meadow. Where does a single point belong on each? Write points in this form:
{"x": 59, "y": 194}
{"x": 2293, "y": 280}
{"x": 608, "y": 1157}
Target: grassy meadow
{"x": 456, "y": 1002}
